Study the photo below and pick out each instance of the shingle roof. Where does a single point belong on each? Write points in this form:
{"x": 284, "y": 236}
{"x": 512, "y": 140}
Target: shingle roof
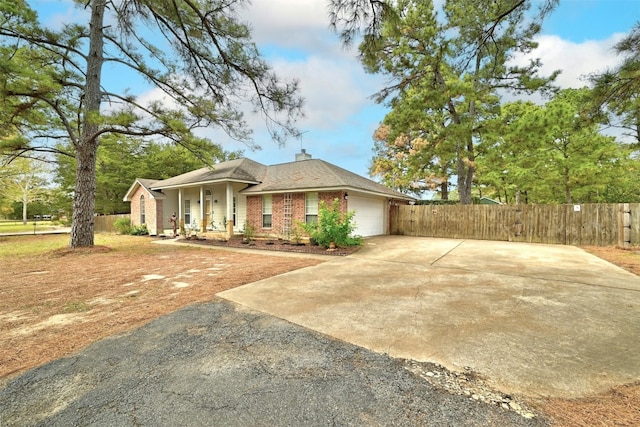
{"x": 315, "y": 174}
{"x": 302, "y": 175}
{"x": 243, "y": 170}
{"x": 146, "y": 184}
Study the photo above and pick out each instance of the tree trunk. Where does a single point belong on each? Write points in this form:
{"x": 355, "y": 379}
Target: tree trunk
{"x": 444, "y": 190}
{"x": 468, "y": 162}
{"x": 466, "y": 170}
{"x": 25, "y": 200}
{"x": 84, "y": 198}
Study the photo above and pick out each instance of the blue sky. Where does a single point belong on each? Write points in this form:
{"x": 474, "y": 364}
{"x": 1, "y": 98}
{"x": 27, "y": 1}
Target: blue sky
{"x": 340, "y": 117}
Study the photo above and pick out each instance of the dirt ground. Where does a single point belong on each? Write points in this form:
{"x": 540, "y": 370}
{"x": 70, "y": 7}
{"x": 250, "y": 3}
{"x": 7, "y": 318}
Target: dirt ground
{"x": 64, "y": 300}
{"x": 278, "y": 245}
{"x": 627, "y": 259}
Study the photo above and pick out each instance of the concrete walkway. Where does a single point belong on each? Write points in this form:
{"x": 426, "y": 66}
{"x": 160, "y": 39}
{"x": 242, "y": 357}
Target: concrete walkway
{"x": 533, "y": 319}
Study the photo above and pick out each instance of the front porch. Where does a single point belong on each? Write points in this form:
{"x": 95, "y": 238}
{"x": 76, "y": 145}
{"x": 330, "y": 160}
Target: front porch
{"x": 214, "y": 209}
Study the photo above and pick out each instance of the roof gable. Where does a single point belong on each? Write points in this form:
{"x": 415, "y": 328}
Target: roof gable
{"x": 146, "y": 184}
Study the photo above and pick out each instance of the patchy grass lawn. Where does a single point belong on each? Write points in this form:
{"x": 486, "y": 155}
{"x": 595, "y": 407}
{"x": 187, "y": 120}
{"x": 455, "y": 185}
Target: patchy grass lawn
{"x": 55, "y": 301}
{"x": 19, "y": 227}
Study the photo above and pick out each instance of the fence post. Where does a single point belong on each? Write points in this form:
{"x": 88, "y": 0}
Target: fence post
{"x": 624, "y": 226}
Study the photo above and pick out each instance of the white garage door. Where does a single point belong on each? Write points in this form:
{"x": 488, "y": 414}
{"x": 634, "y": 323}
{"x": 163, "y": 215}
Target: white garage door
{"x": 370, "y": 215}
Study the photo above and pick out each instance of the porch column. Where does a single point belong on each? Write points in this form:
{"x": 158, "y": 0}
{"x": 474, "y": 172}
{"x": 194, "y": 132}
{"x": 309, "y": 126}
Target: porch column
{"x": 203, "y": 223}
{"x": 229, "y": 210}
{"x": 180, "y": 217}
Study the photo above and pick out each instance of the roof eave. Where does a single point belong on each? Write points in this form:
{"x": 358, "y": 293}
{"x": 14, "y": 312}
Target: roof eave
{"x": 292, "y": 190}
{"x": 134, "y": 187}
{"x": 199, "y": 183}
{"x": 327, "y": 189}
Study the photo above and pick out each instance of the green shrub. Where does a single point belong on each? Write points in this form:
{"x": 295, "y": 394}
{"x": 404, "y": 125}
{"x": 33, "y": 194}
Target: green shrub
{"x": 296, "y": 234}
{"x": 122, "y": 225}
{"x": 333, "y": 226}
{"x": 139, "y": 230}
{"x": 249, "y": 232}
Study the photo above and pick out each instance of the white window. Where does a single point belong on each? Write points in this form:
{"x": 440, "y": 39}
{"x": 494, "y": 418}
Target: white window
{"x": 187, "y": 212}
{"x": 143, "y": 216}
{"x": 311, "y": 208}
{"x": 267, "y": 206}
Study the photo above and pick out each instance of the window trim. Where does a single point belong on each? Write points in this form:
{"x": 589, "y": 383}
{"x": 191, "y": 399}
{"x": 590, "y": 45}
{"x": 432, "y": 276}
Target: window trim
{"x": 267, "y": 211}
{"x": 187, "y": 212}
{"x": 311, "y": 215}
{"x": 143, "y": 209}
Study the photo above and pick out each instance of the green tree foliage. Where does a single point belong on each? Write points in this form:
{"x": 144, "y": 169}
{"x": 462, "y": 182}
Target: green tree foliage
{"x": 618, "y": 90}
{"x": 446, "y": 72}
{"x": 22, "y": 180}
{"x": 206, "y": 68}
{"x": 505, "y": 163}
{"x": 552, "y": 154}
{"x": 409, "y": 153}
{"x": 122, "y": 159}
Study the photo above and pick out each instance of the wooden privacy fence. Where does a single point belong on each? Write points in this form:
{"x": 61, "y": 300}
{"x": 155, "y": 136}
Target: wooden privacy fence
{"x": 586, "y": 224}
{"x": 104, "y": 223}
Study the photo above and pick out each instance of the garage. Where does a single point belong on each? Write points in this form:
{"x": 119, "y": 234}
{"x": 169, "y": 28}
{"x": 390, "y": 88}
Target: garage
{"x": 370, "y": 217}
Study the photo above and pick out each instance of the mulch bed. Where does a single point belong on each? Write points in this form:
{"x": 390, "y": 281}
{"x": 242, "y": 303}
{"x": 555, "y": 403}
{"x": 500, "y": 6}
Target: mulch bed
{"x": 274, "y": 245}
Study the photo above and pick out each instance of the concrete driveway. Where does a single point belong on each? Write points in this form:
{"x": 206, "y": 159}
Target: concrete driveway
{"x": 532, "y": 319}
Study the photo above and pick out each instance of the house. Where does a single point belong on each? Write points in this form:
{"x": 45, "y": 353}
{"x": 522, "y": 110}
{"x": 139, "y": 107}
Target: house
{"x": 270, "y": 199}
{"x": 484, "y": 200}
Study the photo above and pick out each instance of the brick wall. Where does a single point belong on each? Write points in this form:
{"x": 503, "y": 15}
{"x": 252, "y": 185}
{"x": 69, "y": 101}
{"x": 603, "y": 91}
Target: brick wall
{"x": 297, "y": 209}
{"x": 254, "y": 213}
{"x": 153, "y": 211}
{"x": 329, "y": 197}
{"x": 158, "y": 213}
{"x": 135, "y": 205}
{"x": 254, "y": 210}
{"x": 277, "y": 201}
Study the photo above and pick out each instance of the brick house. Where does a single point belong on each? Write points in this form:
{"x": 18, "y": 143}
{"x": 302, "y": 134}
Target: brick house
{"x": 271, "y": 199}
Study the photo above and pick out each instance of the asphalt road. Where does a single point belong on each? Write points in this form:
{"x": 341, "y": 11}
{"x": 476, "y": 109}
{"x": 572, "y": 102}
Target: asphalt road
{"x": 218, "y": 364}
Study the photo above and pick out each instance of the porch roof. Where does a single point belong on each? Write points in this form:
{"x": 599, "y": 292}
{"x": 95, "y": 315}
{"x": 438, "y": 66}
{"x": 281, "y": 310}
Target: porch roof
{"x": 238, "y": 170}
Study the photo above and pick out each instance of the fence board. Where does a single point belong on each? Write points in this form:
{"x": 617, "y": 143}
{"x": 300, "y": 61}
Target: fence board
{"x": 586, "y": 224}
{"x": 635, "y": 223}
{"x": 104, "y": 223}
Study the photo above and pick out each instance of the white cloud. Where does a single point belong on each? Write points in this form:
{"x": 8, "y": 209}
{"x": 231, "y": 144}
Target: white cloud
{"x": 301, "y": 25}
{"x": 276, "y": 17}
{"x": 333, "y": 89}
{"x": 576, "y": 60}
